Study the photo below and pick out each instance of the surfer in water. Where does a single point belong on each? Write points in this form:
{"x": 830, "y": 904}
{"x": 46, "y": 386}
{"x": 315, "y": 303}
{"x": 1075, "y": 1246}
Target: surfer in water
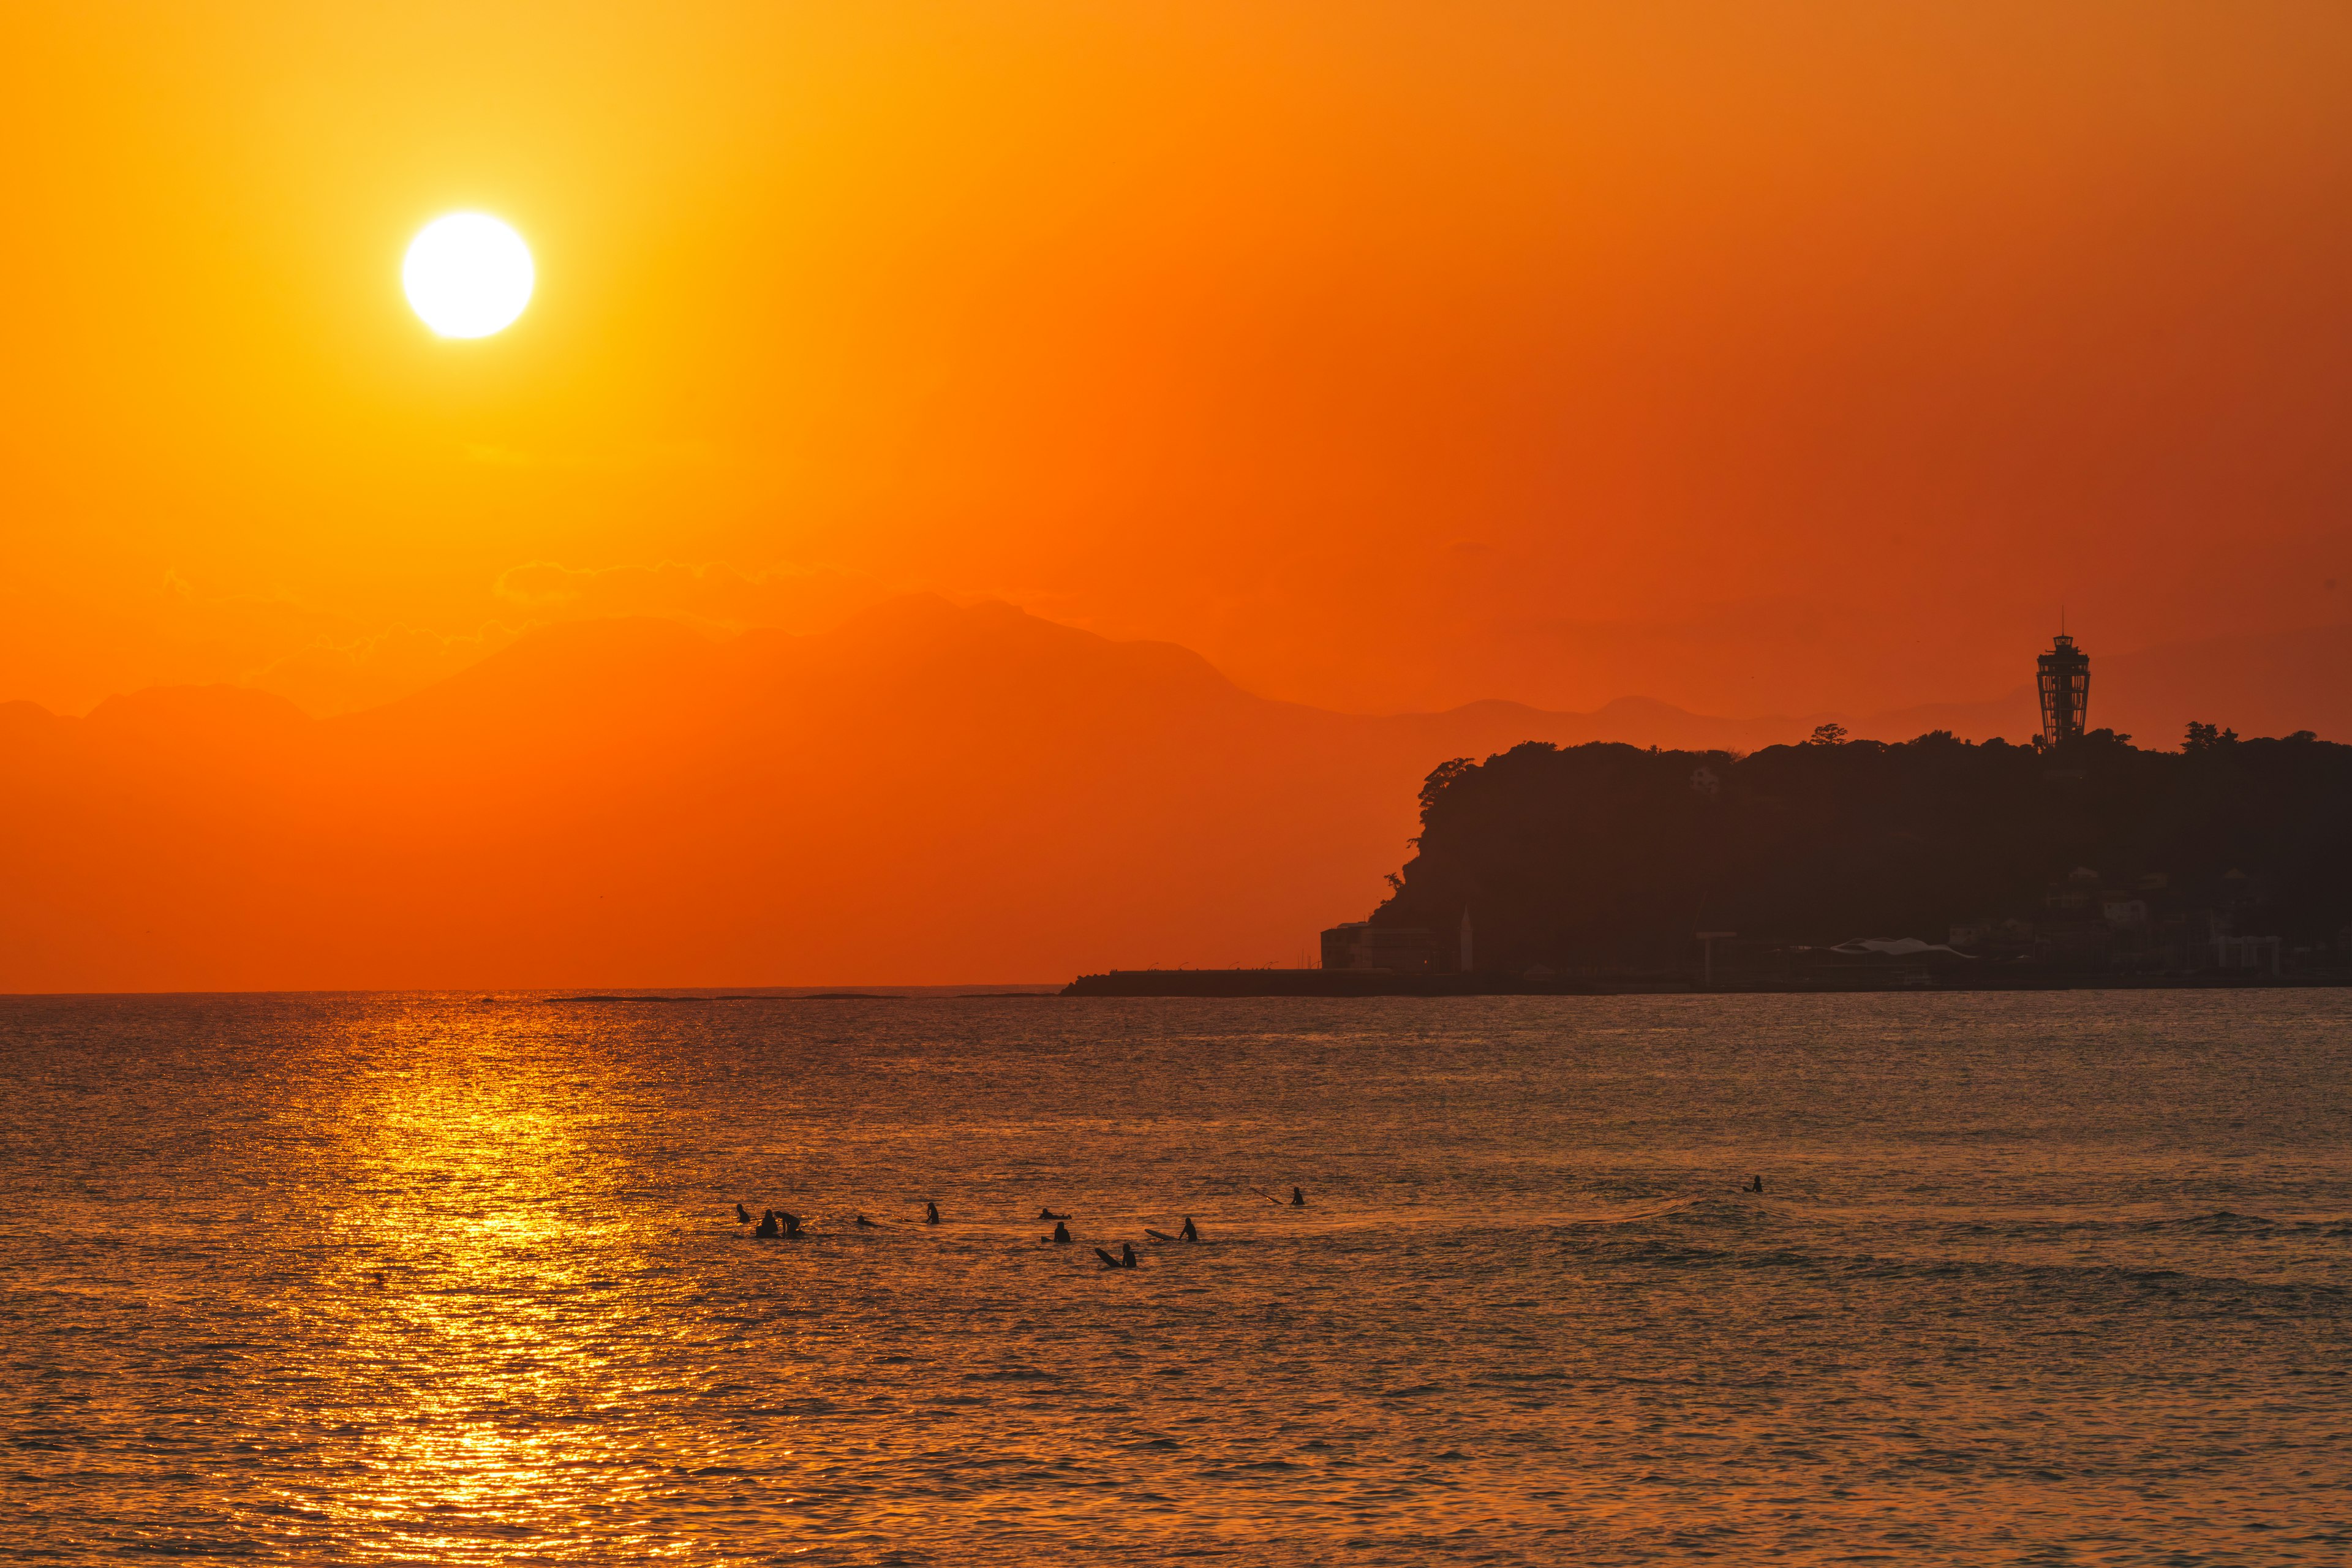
{"x": 792, "y": 1223}
{"x": 1126, "y": 1258}
{"x": 1061, "y": 1235}
{"x": 1188, "y": 1233}
{"x": 1755, "y": 1183}
{"x": 867, "y": 1223}
{"x": 1298, "y": 1198}
{"x": 1049, "y": 1213}
{"x": 768, "y": 1230}
{"x": 742, "y": 1215}
{"x": 931, "y": 1213}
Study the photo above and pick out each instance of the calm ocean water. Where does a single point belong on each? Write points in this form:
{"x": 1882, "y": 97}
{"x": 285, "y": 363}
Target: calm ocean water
{"x": 2036, "y": 1279}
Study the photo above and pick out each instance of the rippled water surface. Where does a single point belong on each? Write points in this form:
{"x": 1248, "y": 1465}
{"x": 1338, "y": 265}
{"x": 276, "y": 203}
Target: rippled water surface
{"x": 445, "y": 1279}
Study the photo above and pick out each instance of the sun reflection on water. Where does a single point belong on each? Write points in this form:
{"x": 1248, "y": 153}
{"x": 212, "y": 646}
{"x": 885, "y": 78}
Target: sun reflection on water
{"x": 476, "y": 1267}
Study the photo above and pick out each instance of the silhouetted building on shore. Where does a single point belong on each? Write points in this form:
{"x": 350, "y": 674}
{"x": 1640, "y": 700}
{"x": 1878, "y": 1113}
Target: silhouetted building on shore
{"x": 1393, "y": 950}
{"x": 1397, "y": 950}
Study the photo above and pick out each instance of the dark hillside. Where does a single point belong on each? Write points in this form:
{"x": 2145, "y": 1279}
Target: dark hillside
{"x": 1609, "y": 857}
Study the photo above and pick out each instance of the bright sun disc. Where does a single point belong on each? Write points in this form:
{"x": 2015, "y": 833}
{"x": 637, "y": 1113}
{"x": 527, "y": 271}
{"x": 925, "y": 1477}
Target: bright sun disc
{"x": 467, "y": 275}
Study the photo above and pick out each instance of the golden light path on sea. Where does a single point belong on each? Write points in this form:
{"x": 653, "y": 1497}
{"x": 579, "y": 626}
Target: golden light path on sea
{"x": 485, "y": 1302}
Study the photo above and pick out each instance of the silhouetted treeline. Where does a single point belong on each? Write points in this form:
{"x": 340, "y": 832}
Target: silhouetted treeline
{"x": 1607, "y": 855}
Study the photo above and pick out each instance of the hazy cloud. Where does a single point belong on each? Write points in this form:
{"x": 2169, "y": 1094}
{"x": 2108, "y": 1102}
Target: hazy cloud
{"x": 332, "y": 675}
{"x": 712, "y": 594}
{"x": 623, "y": 458}
{"x": 329, "y": 660}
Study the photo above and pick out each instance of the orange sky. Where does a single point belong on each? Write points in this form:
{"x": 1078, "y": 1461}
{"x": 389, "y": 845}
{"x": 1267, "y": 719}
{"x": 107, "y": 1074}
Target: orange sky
{"x": 1761, "y": 359}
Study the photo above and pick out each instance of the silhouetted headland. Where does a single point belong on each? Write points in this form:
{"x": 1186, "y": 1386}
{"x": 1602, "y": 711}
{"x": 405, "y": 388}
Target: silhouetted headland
{"x": 1845, "y": 863}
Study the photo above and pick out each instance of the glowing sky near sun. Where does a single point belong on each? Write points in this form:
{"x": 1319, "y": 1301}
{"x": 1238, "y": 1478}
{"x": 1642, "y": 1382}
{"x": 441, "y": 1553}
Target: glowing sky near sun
{"x": 1756, "y": 359}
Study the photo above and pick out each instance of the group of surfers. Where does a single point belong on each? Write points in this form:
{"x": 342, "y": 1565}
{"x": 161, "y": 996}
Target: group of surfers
{"x": 776, "y": 1225}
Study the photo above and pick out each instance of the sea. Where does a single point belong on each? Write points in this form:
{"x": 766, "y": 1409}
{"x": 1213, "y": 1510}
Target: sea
{"x": 2052, "y": 1278}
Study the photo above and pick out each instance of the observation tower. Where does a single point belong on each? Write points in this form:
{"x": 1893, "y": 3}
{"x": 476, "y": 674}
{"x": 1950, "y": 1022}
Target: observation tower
{"x": 2064, "y": 676}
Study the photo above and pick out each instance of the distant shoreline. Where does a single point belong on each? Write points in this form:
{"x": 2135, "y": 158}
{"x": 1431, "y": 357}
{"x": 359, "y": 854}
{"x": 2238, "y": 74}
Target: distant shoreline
{"x": 1241, "y": 984}
{"x": 1337, "y": 982}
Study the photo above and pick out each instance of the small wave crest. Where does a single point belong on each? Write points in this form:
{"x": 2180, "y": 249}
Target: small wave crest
{"x": 1684, "y": 1212}
{"x": 2213, "y": 1221}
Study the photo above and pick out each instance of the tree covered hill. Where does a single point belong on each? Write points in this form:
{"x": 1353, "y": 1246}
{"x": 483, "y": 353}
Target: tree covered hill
{"x": 1610, "y": 856}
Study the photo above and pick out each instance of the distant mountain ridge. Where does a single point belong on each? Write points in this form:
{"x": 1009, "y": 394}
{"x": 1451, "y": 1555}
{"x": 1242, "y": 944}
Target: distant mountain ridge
{"x": 2152, "y": 693}
{"x": 927, "y": 794}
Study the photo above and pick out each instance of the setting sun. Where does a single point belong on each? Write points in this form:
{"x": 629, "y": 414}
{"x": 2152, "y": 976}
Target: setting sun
{"x": 467, "y": 275}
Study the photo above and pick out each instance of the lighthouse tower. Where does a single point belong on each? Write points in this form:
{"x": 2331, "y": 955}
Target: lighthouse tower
{"x": 2064, "y": 676}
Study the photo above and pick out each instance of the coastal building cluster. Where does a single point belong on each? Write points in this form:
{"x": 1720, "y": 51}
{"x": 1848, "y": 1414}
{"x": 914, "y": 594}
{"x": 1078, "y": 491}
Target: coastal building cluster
{"x": 1399, "y": 949}
{"x": 2084, "y": 924}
